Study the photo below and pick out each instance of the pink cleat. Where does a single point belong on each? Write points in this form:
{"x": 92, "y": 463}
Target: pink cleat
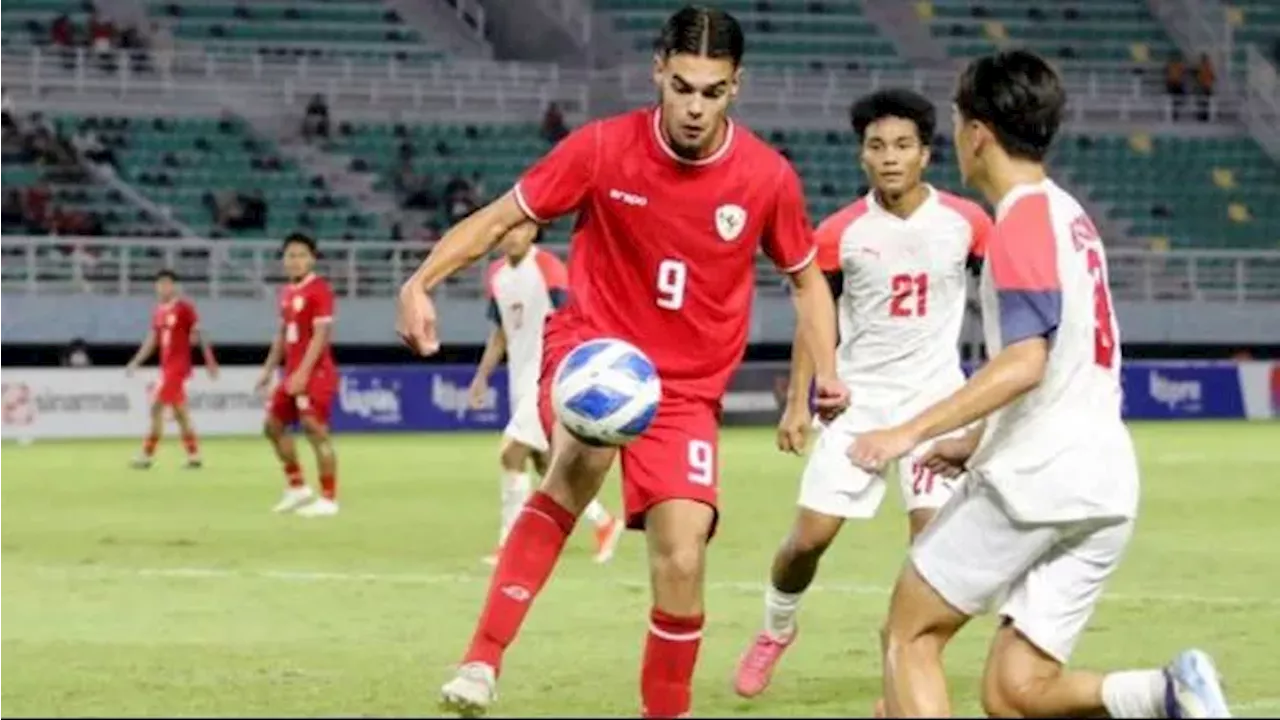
{"x": 755, "y": 669}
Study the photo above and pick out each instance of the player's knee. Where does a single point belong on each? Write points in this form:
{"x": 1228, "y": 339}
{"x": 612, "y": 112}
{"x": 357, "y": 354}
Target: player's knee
{"x": 807, "y": 545}
{"x": 1009, "y": 693}
{"x": 678, "y": 564}
{"x": 272, "y": 430}
{"x": 996, "y": 705}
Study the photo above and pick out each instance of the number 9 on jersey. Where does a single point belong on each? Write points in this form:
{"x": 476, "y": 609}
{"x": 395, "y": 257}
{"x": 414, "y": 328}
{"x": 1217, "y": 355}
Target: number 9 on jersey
{"x": 606, "y": 392}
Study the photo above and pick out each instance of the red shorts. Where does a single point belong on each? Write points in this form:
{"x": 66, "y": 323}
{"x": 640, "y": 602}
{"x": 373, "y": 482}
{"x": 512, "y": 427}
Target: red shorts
{"x": 171, "y": 389}
{"x": 677, "y": 458}
{"x": 316, "y": 401}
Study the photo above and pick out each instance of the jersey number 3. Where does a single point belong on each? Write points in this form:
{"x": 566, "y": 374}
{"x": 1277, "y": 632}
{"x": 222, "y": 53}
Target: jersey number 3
{"x": 1104, "y": 334}
{"x": 909, "y": 295}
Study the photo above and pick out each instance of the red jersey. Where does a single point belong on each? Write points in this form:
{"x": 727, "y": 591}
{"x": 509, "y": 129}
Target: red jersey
{"x": 663, "y": 252}
{"x": 303, "y": 306}
{"x": 173, "y": 322}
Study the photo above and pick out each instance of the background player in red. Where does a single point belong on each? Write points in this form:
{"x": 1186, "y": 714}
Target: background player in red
{"x": 672, "y": 205}
{"x": 174, "y": 327}
{"x": 305, "y": 394}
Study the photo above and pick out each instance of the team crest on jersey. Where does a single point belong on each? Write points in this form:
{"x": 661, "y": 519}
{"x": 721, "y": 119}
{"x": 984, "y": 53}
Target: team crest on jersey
{"x": 298, "y": 302}
{"x": 170, "y": 320}
{"x": 730, "y": 220}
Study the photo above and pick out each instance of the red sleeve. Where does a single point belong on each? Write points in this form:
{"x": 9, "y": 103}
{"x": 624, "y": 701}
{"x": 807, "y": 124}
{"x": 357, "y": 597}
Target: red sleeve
{"x": 980, "y": 226}
{"x": 322, "y": 303}
{"x": 1023, "y": 257}
{"x": 558, "y": 183}
{"x": 553, "y": 271}
{"x": 788, "y": 237}
{"x": 193, "y": 317}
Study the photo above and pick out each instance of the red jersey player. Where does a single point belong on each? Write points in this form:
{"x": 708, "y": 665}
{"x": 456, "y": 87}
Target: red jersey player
{"x": 174, "y": 324}
{"x": 673, "y": 203}
{"x": 305, "y": 395}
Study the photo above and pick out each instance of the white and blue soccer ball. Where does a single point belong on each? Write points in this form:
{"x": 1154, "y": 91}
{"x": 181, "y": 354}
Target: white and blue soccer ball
{"x": 606, "y": 392}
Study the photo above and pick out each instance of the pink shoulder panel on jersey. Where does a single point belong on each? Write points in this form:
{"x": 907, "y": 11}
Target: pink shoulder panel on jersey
{"x": 553, "y": 271}
{"x": 490, "y": 275}
{"x": 832, "y": 230}
{"x": 557, "y": 183}
{"x": 980, "y": 225}
{"x": 1023, "y": 251}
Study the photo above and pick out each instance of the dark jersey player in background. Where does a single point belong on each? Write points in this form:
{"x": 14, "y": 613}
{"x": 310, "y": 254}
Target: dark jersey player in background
{"x": 174, "y": 329}
{"x": 305, "y": 394}
{"x": 673, "y": 203}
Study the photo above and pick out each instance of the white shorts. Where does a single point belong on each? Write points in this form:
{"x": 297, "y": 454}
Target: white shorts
{"x": 833, "y": 485}
{"x": 1045, "y": 578}
{"x": 525, "y": 427}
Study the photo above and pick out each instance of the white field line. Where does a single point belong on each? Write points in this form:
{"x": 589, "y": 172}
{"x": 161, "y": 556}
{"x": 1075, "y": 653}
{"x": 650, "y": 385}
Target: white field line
{"x": 742, "y": 586}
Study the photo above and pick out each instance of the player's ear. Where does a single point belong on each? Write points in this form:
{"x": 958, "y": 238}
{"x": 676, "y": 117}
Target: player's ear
{"x": 925, "y": 154}
{"x": 735, "y": 84}
{"x": 659, "y": 70}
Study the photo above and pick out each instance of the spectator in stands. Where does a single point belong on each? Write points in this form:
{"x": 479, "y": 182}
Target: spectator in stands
{"x": 478, "y": 189}
{"x": 553, "y": 125}
{"x": 76, "y": 354}
{"x": 35, "y": 208}
{"x": 13, "y": 216}
{"x": 1175, "y": 83}
{"x": 62, "y": 35}
{"x": 102, "y": 40}
{"x": 86, "y": 140}
{"x": 316, "y": 121}
{"x": 7, "y": 114}
{"x": 1206, "y": 78}
{"x": 255, "y": 211}
{"x": 162, "y": 45}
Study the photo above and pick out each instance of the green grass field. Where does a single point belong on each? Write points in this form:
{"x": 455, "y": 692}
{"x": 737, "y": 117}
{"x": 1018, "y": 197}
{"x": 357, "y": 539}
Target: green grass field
{"x": 177, "y": 592}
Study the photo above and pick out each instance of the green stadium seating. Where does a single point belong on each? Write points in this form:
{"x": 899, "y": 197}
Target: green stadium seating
{"x": 1083, "y": 35}
{"x": 833, "y": 34}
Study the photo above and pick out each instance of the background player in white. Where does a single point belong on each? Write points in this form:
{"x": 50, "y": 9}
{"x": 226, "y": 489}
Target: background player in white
{"x": 1052, "y": 490}
{"x": 525, "y": 286}
{"x": 897, "y": 260}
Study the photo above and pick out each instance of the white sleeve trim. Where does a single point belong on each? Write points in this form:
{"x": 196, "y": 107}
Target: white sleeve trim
{"x": 813, "y": 253}
{"x": 524, "y": 205}
{"x": 323, "y": 320}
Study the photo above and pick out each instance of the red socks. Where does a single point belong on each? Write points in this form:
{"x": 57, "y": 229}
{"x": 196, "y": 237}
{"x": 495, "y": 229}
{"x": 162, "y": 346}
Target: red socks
{"x": 191, "y": 444}
{"x": 526, "y": 561}
{"x": 328, "y": 486}
{"x": 670, "y": 654}
{"x": 293, "y": 474}
{"x": 149, "y": 445}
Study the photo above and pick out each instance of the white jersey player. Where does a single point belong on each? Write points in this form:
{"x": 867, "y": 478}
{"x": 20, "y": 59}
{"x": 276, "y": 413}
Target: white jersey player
{"x": 1047, "y": 509}
{"x": 524, "y": 287}
{"x": 898, "y": 260}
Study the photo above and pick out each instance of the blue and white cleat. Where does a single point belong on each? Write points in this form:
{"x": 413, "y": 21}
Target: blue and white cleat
{"x": 1194, "y": 688}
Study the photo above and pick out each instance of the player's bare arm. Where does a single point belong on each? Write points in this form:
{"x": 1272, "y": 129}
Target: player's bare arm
{"x": 272, "y": 362}
{"x": 461, "y": 246}
{"x": 816, "y": 327}
{"x": 144, "y": 351}
{"x": 1013, "y": 372}
{"x": 296, "y": 383}
{"x": 206, "y": 351}
{"x": 494, "y": 350}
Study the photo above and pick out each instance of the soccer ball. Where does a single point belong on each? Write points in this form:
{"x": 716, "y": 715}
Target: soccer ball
{"x": 606, "y": 392}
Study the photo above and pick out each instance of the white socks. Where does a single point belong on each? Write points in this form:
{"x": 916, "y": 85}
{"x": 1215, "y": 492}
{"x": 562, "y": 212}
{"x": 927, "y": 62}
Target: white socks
{"x": 515, "y": 491}
{"x": 780, "y": 612}
{"x": 1134, "y": 694}
{"x": 596, "y": 514}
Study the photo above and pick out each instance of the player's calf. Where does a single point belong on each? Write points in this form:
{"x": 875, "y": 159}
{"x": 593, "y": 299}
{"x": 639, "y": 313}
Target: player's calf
{"x": 327, "y": 464}
{"x": 678, "y": 531}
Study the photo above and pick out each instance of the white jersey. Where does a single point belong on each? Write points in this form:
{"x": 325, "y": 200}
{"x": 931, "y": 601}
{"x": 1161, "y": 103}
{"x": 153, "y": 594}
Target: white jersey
{"x": 520, "y": 299}
{"x": 902, "y": 302}
{"x": 1061, "y": 451}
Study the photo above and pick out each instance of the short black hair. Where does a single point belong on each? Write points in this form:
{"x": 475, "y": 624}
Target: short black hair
{"x": 298, "y": 238}
{"x": 167, "y": 274}
{"x": 895, "y": 102}
{"x": 1019, "y": 96}
{"x": 702, "y": 31}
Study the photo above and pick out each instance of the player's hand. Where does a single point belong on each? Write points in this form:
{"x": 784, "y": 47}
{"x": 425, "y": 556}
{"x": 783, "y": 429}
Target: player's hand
{"x": 213, "y": 372}
{"x": 476, "y": 393}
{"x": 948, "y": 456}
{"x": 876, "y": 449}
{"x": 264, "y": 382}
{"x": 793, "y": 428}
{"x": 416, "y": 321}
{"x": 831, "y": 397}
{"x": 296, "y": 384}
